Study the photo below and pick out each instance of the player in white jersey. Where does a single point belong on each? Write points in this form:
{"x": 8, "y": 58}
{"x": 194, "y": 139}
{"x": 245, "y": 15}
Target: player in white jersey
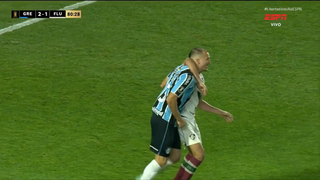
{"x": 190, "y": 134}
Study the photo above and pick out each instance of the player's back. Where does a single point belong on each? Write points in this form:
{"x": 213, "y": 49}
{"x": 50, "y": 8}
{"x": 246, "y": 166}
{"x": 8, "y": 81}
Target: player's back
{"x": 180, "y": 82}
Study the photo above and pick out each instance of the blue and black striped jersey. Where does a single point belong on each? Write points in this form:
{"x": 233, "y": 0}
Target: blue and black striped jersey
{"x": 180, "y": 82}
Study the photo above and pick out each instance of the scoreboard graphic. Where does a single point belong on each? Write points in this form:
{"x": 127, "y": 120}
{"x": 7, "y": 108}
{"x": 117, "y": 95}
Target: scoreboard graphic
{"x": 46, "y": 14}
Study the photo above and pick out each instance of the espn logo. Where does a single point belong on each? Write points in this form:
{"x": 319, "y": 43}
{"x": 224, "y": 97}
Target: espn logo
{"x": 275, "y": 17}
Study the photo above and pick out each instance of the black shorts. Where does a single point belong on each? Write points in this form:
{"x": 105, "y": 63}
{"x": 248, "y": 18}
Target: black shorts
{"x": 164, "y": 136}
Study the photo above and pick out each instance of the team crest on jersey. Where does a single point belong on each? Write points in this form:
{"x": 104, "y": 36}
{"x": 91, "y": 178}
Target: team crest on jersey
{"x": 168, "y": 150}
{"x": 192, "y": 136}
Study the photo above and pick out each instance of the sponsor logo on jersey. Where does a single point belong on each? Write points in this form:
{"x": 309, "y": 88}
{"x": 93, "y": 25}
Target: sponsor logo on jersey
{"x": 181, "y": 89}
{"x": 156, "y": 111}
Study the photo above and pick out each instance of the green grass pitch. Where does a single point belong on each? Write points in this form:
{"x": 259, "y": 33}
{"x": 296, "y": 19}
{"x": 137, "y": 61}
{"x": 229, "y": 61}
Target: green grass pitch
{"x": 76, "y": 94}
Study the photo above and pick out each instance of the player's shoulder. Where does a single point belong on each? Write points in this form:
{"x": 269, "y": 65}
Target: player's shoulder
{"x": 183, "y": 71}
{"x": 188, "y": 77}
{"x": 182, "y": 68}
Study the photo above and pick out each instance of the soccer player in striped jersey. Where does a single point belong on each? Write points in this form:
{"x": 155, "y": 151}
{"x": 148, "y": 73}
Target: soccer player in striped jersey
{"x": 166, "y": 117}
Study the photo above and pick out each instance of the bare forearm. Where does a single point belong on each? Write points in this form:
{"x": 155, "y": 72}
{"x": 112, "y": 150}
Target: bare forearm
{"x": 173, "y": 105}
{"x": 207, "y": 107}
{"x": 164, "y": 82}
{"x": 193, "y": 68}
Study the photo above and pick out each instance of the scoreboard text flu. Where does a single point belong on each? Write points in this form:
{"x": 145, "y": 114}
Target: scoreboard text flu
{"x": 46, "y": 14}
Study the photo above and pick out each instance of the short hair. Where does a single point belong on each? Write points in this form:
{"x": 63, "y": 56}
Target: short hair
{"x": 196, "y": 52}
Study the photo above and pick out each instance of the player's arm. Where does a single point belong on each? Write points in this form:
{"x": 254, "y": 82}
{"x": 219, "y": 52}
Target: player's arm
{"x": 164, "y": 82}
{"x": 194, "y": 69}
{"x": 209, "y": 108}
{"x": 172, "y": 101}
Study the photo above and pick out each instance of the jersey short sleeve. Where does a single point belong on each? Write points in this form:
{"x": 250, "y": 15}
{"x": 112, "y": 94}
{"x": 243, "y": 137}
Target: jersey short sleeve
{"x": 183, "y": 82}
